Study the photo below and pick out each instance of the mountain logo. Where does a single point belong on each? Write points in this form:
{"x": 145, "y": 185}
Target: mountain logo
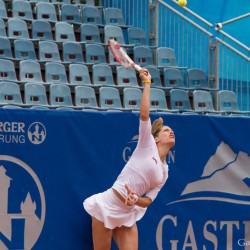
{"x": 225, "y": 177}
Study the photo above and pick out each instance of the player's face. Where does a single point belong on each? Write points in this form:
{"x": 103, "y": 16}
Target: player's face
{"x": 166, "y": 135}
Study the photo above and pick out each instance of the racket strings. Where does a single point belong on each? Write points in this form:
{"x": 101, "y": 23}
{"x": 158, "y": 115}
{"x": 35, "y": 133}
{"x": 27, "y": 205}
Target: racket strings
{"x": 119, "y": 57}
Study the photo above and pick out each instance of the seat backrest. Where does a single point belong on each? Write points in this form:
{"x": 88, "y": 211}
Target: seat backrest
{"x": 102, "y": 75}
{"x": 46, "y": 11}
{"x": 115, "y": 32}
{"x": 228, "y": 101}
{"x": 7, "y": 70}
{"x": 30, "y": 71}
{"x": 137, "y": 36}
{"x": 155, "y": 76}
{"x": 132, "y": 98}
{"x": 35, "y": 94}
{"x": 22, "y": 9}
{"x": 85, "y": 97}
{"x": 113, "y": 16}
{"x": 48, "y": 51}
{"x": 88, "y": 2}
{"x": 55, "y": 73}
{"x": 173, "y": 78}
{"x": 179, "y": 99}
{"x": 165, "y": 57}
{"x": 17, "y": 28}
{"x": 64, "y": 32}
{"x": 41, "y": 29}
{"x": 72, "y": 52}
{"x": 202, "y": 101}
{"x": 95, "y": 53}
{"x": 90, "y": 33}
{"x": 79, "y": 74}
{"x": 126, "y": 77}
{"x": 5, "y": 48}
{"x": 197, "y": 78}
{"x": 109, "y": 97}
{"x": 70, "y": 13}
{"x": 3, "y": 12}
{"x": 24, "y": 49}
{"x": 2, "y": 28}
{"x": 60, "y": 95}
{"x": 143, "y": 55}
{"x": 91, "y": 14}
{"x": 10, "y": 93}
{"x": 158, "y": 99}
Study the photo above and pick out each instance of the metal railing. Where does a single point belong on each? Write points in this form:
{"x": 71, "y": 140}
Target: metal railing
{"x": 197, "y": 43}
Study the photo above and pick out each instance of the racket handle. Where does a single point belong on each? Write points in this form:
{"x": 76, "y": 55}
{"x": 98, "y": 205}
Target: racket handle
{"x": 137, "y": 67}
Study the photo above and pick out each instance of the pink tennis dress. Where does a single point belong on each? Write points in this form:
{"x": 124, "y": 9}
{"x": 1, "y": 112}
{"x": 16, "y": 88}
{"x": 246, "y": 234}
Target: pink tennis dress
{"x": 144, "y": 173}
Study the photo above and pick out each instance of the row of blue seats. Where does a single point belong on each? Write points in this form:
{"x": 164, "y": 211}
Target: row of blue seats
{"x": 67, "y": 12}
{"x": 98, "y": 74}
{"x": 109, "y": 98}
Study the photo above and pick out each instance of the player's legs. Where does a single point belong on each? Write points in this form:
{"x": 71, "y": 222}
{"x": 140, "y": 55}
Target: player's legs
{"x": 101, "y": 236}
{"x": 126, "y": 238}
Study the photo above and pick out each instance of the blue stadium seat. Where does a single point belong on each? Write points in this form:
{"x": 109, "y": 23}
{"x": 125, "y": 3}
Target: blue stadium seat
{"x": 197, "y": 79}
{"x": 132, "y": 98}
{"x": 90, "y": 33}
{"x": 24, "y": 49}
{"x": 35, "y": 94}
{"x": 102, "y": 75}
{"x": 113, "y": 16}
{"x": 95, "y": 53}
{"x": 5, "y": 48}
{"x": 7, "y": 70}
{"x": 91, "y": 14}
{"x": 143, "y": 56}
{"x": 109, "y": 98}
{"x": 22, "y": 9}
{"x": 30, "y": 71}
{"x": 203, "y": 102}
{"x": 85, "y": 97}
{"x": 72, "y": 52}
{"x": 17, "y": 28}
{"x": 79, "y": 74}
{"x": 49, "y": 51}
{"x": 173, "y": 78}
{"x": 60, "y": 2}
{"x": 70, "y": 13}
{"x": 228, "y": 101}
{"x": 64, "y": 32}
{"x": 41, "y": 29}
{"x": 158, "y": 100}
{"x": 126, "y": 77}
{"x": 10, "y": 93}
{"x": 137, "y": 36}
{"x": 179, "y": 100}
{"x": 115, "y": 32}
{"x": 165, "y": 57}
{"x": 46, "y": 11}
{"x": 55, "y": 73}
{"x": 60, "y": 95}
{"x": 155, "y": 73}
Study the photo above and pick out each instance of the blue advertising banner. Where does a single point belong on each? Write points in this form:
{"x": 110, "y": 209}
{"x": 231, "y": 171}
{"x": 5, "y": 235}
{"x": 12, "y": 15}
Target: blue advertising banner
{"x": 50, "y": 161}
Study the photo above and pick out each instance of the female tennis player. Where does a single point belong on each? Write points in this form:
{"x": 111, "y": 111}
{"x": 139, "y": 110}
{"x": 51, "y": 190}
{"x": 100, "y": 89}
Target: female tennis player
{"x": 115, "y": 211}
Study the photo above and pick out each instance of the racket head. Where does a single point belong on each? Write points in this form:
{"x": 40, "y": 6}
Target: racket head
{"x": 120, "y": 58}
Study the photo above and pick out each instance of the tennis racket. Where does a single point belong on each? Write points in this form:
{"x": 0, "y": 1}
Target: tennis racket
{"x": 121, "y": 56}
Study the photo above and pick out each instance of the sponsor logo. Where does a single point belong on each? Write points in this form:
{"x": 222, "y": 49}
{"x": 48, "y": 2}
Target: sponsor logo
{"x": 22, "y": 204}
{"x": 213, "y": 209}
{"x": 18, "y": 132}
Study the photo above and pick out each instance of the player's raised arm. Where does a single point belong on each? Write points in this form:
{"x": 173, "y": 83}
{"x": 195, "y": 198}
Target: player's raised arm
{"x": 145, "y": 101}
